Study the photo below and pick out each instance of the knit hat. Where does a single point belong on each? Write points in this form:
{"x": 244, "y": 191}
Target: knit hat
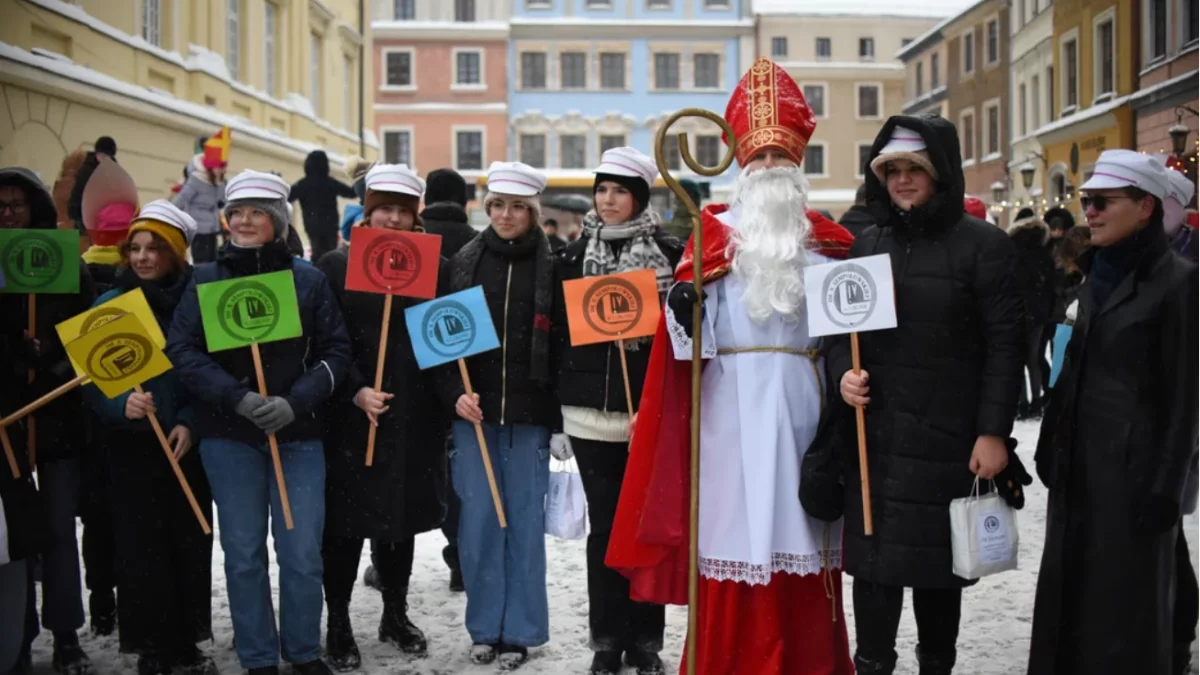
{"x": 636, "y": 186}
{"x": 974, "y": 206}
{"x": 263, "y": 191}
{"x": 166, "y": 220}
{"x": 392, "y": 184}
{"x": 107, "y": 146}
{"x": 445, "y": 185}
{"x": 904, "y": 144}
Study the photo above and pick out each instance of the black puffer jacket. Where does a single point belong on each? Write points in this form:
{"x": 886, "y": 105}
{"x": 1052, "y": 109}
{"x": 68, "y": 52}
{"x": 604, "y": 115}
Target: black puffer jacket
{"x": 590, "y": 376}
{"x": 449, "y": 220}
{"x": 857, "y": 219}
{"x": 318, "y": 193}
{"x": 1035, "y": 267}
{"x": 946, "y": 375}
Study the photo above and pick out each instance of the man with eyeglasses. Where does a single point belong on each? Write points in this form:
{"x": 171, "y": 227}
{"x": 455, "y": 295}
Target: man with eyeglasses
{"x": 25, "y": 203}
{"x": 1118, "y": 439}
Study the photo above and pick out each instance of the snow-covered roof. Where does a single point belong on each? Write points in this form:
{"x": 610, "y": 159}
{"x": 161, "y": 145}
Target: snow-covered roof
{"x": 929, "y": 9}
{"x": 964, "y": 6}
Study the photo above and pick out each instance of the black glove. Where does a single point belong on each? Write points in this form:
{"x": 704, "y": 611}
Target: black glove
{"x": 1012, "y": 478}
{"x": 682, "y": 301}
{"x": 1157, "y": 513}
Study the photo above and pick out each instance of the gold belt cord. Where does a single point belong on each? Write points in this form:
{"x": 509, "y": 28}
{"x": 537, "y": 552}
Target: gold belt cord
{"x": 813, "y": 355}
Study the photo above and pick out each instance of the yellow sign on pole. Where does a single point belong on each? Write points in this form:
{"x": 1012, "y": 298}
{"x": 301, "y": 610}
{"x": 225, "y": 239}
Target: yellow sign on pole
{"x": 133, "y": 302}
{"x": 119, "y": 355}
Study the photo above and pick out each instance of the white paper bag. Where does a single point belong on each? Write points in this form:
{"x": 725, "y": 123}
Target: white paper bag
{"x": 983, "y": 535}
{"x": 566, "y": 505}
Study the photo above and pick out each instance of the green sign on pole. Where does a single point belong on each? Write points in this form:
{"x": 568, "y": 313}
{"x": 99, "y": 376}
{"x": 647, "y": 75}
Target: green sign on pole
{"x": 247, "y": 310}
{"x": 39, "y": 261}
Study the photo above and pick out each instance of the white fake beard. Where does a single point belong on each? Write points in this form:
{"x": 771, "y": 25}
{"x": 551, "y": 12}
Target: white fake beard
{"x": 768, "y": 245}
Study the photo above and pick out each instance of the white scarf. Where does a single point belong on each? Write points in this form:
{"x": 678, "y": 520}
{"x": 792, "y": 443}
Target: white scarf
{"x": 638, "y": 250}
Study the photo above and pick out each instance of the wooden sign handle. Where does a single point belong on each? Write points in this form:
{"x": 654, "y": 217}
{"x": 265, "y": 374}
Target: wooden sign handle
{"x": 31, "y": 443}
{"x": 625, "y": 375}
{"x": 183, "y": 483}
{"x": 861, "y": 419}
{"x": 9, "y": 454}
{"x": 383, "y": 341}
{"x": 483, "y": 451}
{"x": 262, "y": 391}
{"x": 43, "y": 400}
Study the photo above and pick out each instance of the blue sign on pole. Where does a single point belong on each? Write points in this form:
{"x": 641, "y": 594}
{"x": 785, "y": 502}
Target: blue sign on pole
{"x": 450, "y": 328}
{"x": 1062, "y": 335}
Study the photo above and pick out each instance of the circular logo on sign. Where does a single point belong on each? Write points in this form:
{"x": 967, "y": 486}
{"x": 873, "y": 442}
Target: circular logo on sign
{"x": 99, "y": 318}
{"x": 991, "y": 524}
{"x": 33, "y": 260}
{"x": 850, "y": 295}
{"x": 392, "y": 263}
{"x": 612, "y": 306}
{"x": 448, "y": 329}
{"x": 248, "y": 311}
{"x": 118, "y": 357}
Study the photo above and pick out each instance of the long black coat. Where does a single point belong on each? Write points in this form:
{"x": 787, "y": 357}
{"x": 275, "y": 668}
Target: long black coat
{"x": 1118, "y": 436}
{"x": 403, "y": 493}
{"x": 1035, "y": 268}
{"x": 948, "y": 374}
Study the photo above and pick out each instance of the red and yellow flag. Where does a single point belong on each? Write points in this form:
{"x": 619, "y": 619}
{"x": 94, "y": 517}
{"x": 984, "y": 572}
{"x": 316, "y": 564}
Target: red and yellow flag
{"x": 216, "y": 149}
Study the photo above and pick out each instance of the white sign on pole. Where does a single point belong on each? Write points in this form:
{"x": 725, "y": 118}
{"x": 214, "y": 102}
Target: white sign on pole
{"x": 850, "y": 296}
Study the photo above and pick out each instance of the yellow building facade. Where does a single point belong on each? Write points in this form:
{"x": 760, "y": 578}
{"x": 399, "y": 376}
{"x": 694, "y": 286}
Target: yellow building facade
{"x": 156, "y": 75}
{"x": 1094, "y": 76}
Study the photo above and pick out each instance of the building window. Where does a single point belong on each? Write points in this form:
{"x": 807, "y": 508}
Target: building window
{"x": 404, "y": 10}
{"x": 468, "y": 67}
{"x": 779, "y": 48}
{"x": 399, "y": 68}
{"x": 966, "y": 124}
{"x": 708, "y": 150}
{"x": 314, "y": 70}
{"x": 533, "y": 150}
{"x": 666, "y": 71}
{"x": 1103, "y": 65}
{"x": 270, "y": 64}
{"x": 716, "y": 4}
{"x": 824, "y": 48}
{"x": 658, "y": 4}
{"x": 1070, "y": 75}
{"x": 920, "y": 78}
{"x": 1035, "y": 101}
{"x": 574, "y": 70}
{"x": 610, "y": 141}
{"x": 935, "y": 71}
{"x": 868, "y": 101}
{"x": 968, "y": 53}
{"x": 152, "y": 21}
{"x": 864, "y": 159}
{"x": 468, "y": 150}
{"x": 533, "y": 70}
{"x": 993, "y": 42}
{"x": 1050, "y": 93}
{"x": 612, "y": 71}
{"x": 993, "y": 129}
{"x": 1157, "y": 42}
{"x": 574, "y": 151}
{"x": 814, "y": 160}
{"x": 599, "y": 4}
{"x": 397, "y": 147}
{"x": 707, "y": 71}
{"x": 1021, "y": 109}
{"x": 347, "y": 92}
{"x": 866, "y": 49}
{"x": 814, "y": 94}
{"x": 464, "y": 11}
{"x": 671, "y": 152}
{"x": 233, "y": 38}
{"x": 1191, "y": 23}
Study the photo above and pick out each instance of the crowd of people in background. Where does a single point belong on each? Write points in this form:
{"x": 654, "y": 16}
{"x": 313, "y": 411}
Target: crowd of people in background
{"x": 978, "y": 309}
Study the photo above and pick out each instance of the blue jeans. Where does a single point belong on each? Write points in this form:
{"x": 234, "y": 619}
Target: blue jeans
{"x": 504, "y": 570}
{"x": 244, "y": 488}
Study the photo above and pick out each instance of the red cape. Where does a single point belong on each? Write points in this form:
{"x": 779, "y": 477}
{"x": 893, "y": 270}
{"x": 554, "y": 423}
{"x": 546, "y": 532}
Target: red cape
{"x": 649, "y": 542}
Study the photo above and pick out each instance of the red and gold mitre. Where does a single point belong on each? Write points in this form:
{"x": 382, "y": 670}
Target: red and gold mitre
{"x": 768, "y": 112}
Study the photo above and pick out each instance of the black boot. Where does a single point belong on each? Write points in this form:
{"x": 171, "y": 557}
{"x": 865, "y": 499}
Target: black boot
{"x": 314, "y": 667}
{"x": 340, "y": 647}
{"x": 69, "y": 658}
{"x": 450, "y": 555}
{"x": 647, "y": 663}
{"x": 188, "y": 660}
{"x": 102, "y": 605}
{"x": 152, "y": 664}
{"x": 865, "y": 666}
{"x": 511, "y": 657}
{"x": 265, "y": 670}
{"x": 606, "y": 663}
{"x": 936, "y": 663}
{"x": 371, "y": 578}
{"x": 396, "y": 630}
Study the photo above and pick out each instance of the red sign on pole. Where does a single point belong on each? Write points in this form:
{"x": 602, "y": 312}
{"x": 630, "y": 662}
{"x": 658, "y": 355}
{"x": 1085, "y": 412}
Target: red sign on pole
{"x": 393, "y": 262}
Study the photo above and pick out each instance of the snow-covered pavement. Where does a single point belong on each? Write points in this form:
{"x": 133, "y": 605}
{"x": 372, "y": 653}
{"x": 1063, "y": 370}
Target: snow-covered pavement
{"x": 994, "y": 639}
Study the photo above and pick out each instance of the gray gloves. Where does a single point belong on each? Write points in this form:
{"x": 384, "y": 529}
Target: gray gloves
{"x": 269, "y": 414}
{"x": 274, "y": 415}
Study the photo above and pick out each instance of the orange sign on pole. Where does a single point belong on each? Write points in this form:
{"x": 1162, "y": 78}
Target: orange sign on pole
{"x": 613, "y": 307}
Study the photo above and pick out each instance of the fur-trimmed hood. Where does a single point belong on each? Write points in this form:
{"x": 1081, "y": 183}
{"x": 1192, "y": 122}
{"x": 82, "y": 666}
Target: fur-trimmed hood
{"x": 1029, "y": 232}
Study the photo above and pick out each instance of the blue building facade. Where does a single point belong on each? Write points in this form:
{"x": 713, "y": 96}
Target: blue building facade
{"x": 587, "y": 75}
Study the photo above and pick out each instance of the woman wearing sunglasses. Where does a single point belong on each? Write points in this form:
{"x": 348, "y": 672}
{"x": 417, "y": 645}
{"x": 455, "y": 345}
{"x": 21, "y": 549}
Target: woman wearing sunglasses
{"x": 1118, "y": 439}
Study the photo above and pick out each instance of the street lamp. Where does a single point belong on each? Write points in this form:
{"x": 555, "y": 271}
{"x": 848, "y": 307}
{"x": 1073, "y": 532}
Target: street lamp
{"x": 998, "y": 191}
{"x": 1027, "y": 172}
